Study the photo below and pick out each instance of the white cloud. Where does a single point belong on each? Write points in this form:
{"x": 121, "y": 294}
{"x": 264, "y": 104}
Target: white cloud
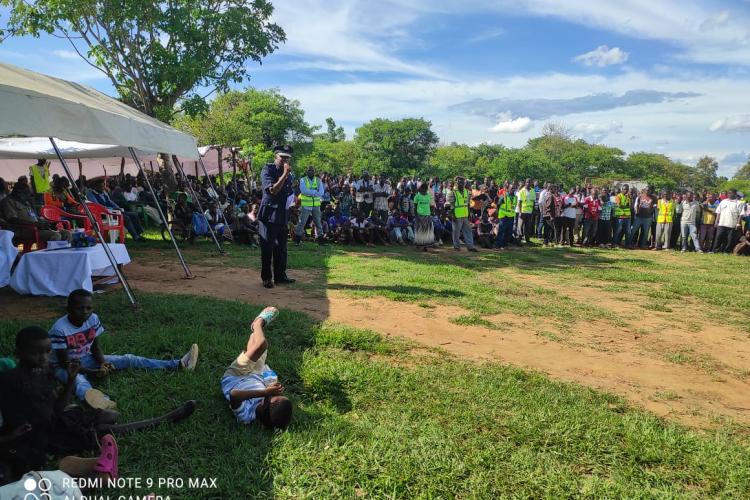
{"x": 340, "y": 35}
{"x": 675, "y": 21}
{"x": 602, "y": 56}
{"x": 487, "y": 35}
{"x": 596, "y": 132}
{"x": 66, "y": 54}
{"x": 715, "y": 22}
{"x": 510, "y": 125}
{"x": 738, "y": 123}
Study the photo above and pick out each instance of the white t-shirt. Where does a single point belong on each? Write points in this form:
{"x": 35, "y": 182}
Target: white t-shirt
{"x": 357, "y": 224}
{"x": 570, "y": 212}
{"x": 76, "y": 340}
{"x": 729, "y": 212}
{"x": 381, "y": 202}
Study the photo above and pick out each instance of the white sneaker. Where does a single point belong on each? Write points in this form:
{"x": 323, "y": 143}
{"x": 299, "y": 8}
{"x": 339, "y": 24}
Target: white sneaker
{"x": 190, "y": 359}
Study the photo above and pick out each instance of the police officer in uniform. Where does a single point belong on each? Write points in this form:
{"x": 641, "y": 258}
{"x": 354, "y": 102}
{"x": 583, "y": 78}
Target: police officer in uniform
{"x": 273, "y": 217}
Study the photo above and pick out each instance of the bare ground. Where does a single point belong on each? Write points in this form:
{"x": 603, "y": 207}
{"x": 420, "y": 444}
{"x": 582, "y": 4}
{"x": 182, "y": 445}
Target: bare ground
{"x": 695, "y": 376}
{"x": 698, "y": 375}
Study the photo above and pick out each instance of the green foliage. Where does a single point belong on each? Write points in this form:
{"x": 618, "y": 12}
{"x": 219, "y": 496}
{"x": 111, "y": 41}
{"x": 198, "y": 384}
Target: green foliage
{"x": 335, "y": 157}
{"x": 704, "y": 174}
{"x": 333, "y": 133}
{"x": 454, "y": 159}
{"x": 743, "y": 173}
{"x": 258, "y": 117}
{"x": 395, "y": 148}
{"x": 740, "y": 185}
{"x": 157, "y": 53}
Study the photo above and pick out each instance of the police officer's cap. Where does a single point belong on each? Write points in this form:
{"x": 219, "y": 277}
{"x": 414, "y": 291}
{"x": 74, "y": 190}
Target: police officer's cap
{"x": 285, "y": 150}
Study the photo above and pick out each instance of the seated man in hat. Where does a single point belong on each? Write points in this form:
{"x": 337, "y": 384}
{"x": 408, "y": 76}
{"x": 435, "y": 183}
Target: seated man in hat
{"x": 98, "y": 194}
{"x": 16, "y": 209}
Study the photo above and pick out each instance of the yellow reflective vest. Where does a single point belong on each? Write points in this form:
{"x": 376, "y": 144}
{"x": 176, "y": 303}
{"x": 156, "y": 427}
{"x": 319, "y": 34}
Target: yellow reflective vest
{"x": 527, "y": 198}
{"x": 462, "y": 203}
{"x": 666, "y": 212}
{"x": 508, "y": 206}
{"x": 41, "y": 178}
{"x": 309, "y": 201}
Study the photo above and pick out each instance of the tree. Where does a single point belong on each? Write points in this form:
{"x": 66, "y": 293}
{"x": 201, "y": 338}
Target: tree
{"x": 334, "y": 133}
{"x": 395, "y": 147}
{"x": 157, "y": 53}
{"x": 743, "y": 173}
{"x": 452, "y": 160}
{"x": 264, "y": 117}
{"x": 704, "y": 174}
{"x": 334, "y": 157}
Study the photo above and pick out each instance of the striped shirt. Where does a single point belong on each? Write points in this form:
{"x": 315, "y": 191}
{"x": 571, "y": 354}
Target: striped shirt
{"x": 606, "y": 213}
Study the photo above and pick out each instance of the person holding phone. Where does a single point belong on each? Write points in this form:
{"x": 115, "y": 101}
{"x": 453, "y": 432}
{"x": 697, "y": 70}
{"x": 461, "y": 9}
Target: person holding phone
{"x": 273, "y": 217}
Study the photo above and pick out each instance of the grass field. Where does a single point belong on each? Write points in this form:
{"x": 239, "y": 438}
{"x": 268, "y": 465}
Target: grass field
{"x": 388, "y": 418}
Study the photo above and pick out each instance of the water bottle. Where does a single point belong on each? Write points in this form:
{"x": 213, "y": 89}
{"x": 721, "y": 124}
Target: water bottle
{"x": 269, "y": 376}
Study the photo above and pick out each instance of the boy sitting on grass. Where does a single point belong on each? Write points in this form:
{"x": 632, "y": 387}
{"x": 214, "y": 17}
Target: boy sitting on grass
{"x": 37, "y": 420}
{"x": 250, "y": 395}
{"x": 75, "y": 338}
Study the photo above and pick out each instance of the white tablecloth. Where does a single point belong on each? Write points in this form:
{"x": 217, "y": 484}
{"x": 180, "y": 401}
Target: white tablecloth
{"x": 59, "y": 272}
{"x": 7, "y": 255}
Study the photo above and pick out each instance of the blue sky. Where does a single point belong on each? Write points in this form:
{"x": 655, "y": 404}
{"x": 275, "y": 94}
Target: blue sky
{"x": 666, "y": 76}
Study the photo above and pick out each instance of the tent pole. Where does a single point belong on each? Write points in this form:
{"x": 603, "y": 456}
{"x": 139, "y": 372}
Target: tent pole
{"x": 82, "y": 201}
{"x": 210, "y": 183}
{"x": 188, "y": 274}
{"x": 195, "y": 197}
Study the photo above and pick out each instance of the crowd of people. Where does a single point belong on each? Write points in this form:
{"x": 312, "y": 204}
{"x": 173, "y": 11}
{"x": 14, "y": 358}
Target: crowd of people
{"x": 365, "y": 210}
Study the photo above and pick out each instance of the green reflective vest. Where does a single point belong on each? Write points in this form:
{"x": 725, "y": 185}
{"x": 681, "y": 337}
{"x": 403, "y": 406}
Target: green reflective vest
{"x": 508, "y": 206}
{"x": 462, "y": 206}
{"x": 527, "y": 200}
{"x": 622, "y": 206}
{"x": 309, "y": 201}
{"x": 41, "y": 178}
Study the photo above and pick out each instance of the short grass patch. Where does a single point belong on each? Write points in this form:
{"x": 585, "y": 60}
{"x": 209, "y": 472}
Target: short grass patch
{"x": 376, "y": 419}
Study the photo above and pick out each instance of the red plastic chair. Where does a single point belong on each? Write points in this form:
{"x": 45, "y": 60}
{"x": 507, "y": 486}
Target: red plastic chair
{"x": 104, "y": 219}
{"x": 26, "y": 235}
{"x": 59, "y": 216}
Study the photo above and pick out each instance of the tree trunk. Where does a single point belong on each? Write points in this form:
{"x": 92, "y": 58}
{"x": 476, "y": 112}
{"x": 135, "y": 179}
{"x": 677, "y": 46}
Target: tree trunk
{"x": 220, "y": 153}
{"x": 167, "y": 170}
{"x": 234, "y": 170}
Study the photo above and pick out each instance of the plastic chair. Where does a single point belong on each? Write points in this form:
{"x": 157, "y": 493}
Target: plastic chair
{"x": 25, "y": 235}
{"x": 107, "y": 220}
{"x": 59, "y": 216}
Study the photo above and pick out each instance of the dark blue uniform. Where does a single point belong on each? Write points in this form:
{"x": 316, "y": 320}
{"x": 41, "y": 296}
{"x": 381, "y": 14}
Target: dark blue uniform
{"x": 273, "y": 218}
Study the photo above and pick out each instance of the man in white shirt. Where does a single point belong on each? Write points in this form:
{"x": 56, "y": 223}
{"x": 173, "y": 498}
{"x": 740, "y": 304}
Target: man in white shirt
{"x": 365, "y": 189}
{"x": 728, "y": 217}
{"x": 381, "y": 192}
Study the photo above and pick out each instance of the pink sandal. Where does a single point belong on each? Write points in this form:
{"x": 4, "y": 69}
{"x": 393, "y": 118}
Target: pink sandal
{"x": 108, "y": 459}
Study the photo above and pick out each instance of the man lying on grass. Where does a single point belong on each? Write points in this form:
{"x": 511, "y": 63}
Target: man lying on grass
{"x": 37, "y": 419}
{"x": 75, "y": 338}
{"x": 251, "y": 387}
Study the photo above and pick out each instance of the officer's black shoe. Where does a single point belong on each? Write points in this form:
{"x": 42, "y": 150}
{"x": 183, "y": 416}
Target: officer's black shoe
{"x": 267, "y": 284}
{"x": 284, "y": 280}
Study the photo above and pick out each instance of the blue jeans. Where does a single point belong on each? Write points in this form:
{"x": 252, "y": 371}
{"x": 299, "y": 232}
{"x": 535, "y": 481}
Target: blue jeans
{"x": 643, "y": 223}
{"x": 120, "y": 363}
{"x": 304, "y": 215}
{"x": 622, "y": 228}
{"x": 692, "y": 231}
{"x": 505, "y": 232}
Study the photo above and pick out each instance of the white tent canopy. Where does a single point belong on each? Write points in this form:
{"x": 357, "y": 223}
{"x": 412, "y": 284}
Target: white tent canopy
{"x": 37, "y": 105}
{"x": 19, "y": 153}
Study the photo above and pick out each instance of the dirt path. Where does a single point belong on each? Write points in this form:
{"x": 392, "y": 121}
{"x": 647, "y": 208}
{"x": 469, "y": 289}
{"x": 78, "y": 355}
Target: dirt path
{"x": 692, "y": 377}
